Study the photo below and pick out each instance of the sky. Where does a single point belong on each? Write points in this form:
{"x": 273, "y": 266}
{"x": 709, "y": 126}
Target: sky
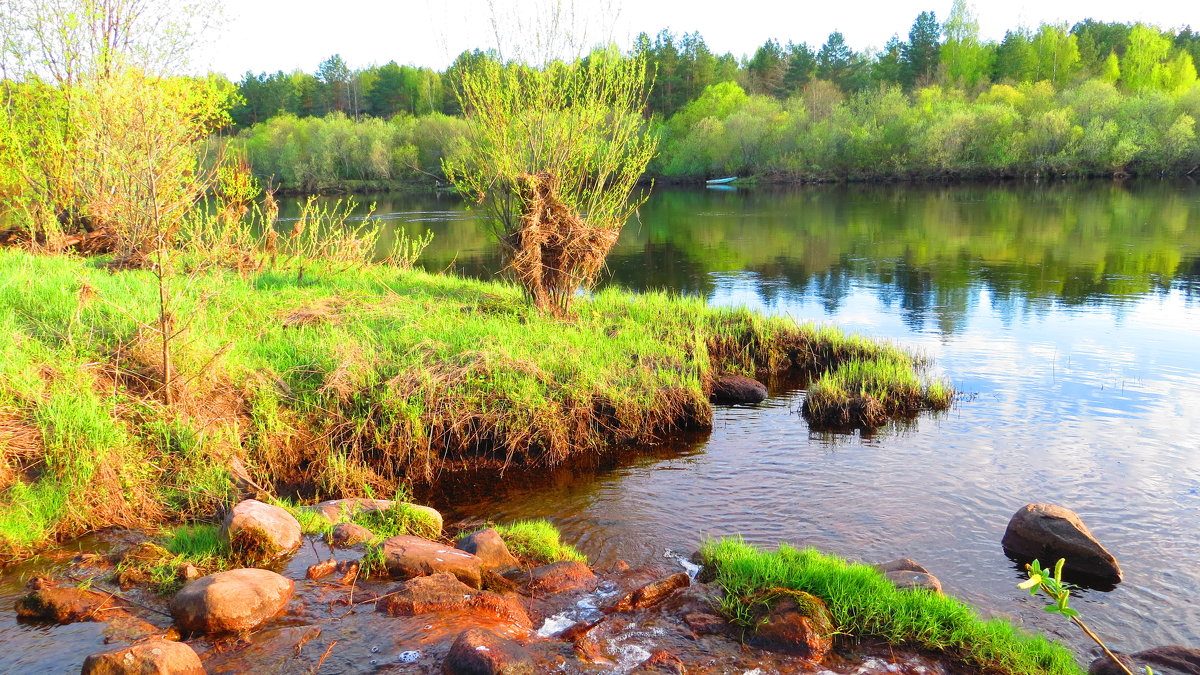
{"x": 270, "y": 35}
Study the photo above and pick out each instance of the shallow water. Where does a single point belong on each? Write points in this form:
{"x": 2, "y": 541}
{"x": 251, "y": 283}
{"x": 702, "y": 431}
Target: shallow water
{"x": 1068, "y": 314}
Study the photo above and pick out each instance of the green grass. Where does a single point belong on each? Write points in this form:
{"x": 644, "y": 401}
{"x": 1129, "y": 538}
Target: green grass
{"x": 400, "y": 519}
{"x": 866, "y": 393}
{"x": 337, "y": 379}
{"x": 866, "y": 605}
{"x": 160, "y": 566}
{"x": 537, "y": 541}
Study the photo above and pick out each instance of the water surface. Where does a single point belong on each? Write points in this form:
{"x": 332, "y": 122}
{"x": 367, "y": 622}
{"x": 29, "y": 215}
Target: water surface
{"x": 1069, "y": 315}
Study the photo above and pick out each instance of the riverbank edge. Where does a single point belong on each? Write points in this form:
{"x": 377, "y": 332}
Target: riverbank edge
{"x": 318, "y": 380}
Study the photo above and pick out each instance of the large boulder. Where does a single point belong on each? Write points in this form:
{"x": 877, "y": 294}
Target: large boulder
{"x": 489, "y": 546}
{"x": 795, "y": 623}
{"x": 1170, "y": 660}
{"x": 236, "y": 600}
{"x": 733, "y": 389}
{"x": 152, "y": 657}
{"x": 443, "y": 592}
{"x": 559, "y": 577}
{"x": 337, "y": 510}
{"x": 1046, "y": 532}
{"x": 407, "y": 556}
{"x": 261, "y": 530}
{"x": 479, "y": 651}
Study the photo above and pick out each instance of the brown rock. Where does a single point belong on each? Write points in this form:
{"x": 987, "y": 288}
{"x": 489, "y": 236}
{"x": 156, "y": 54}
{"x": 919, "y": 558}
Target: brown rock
{"x": 236, "y": 600}
{"x": 407, "y": 556}
{"x": 703, "y": 623}
{"x": 652, "y": 593}
{"x": 47, "y": 601}
{"x": 567, "y": 575}
{"x": 911, "y": 581}
{"x": 489, "y": 547}
{"x": 1046, "y": 533}
{"x": 349, "y": 571}
{"x": 479, "y": 651}
{"x": 1168, "y": 660}
{"x": 443, "y": 592}
{"x": 345, "y": 535}
{"x": 900, "y": 565}
{"x": 262, "y": 530}
{"x": 732, "y": 389}
{"x": 321, "y": 569}
{"x": 662, "y": 661}
{"x": 797, "y": 623}
{"x": 152, "y": 657}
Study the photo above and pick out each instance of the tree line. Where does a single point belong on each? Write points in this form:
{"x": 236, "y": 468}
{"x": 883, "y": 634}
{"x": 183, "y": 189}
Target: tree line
{"x": 1093, "y": 97}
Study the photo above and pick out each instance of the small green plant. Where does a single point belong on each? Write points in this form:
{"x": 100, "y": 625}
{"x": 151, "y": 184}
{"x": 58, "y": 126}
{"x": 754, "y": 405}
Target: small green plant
{"x": 538, "y": 541}
{"x": 1059, "y": 591}
{"x": 400, "y": 518}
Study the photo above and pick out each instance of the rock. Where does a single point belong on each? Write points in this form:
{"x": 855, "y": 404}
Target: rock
{"x": 567, "y": 575}
{"x": 731, "y": 389}
{"x": 703, "y": 623}
{"x": 900, "y": 565}
{"x": 337, "y": 510}
{"x": 407, "y": 556}
{"x": 489, "y": 547}
{"x": 652, "y": 593}
{"x": 906, "y": 580}
{"x": 662, "y": 661}
{"x": 443, "y": 592}
{"x": 47, "y": 601}
{"x": 797, "y": 623}
{"x": 1046, "y": 533}
{"x": 1170, "y": 660}
{"x": 349, "y": 571}
{"x": 190, "y": 572}
{"x": 152, "y": 657}
{"x": 479, "y": 651}
{"x": 261, "y": 530}
{"x": 345, "y": 535}
{"x": 321, "y": 570}
{"x": 236, "y": 600}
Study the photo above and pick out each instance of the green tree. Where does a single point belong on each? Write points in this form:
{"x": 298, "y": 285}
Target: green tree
{"x": 1144, "y": 56}
{"x": 889, "y": 67}
{"x": 1057, "y": 53}
{"x": 1016, "y": 57}
{"x": 922, "y": 50}
{"x": 335, "y": 77}
{"x": 966, "y": 61}
{"x": 834, "y": 60}
{"x": 767, "y": 70}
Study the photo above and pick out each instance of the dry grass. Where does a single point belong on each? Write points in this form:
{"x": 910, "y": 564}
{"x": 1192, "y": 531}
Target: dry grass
{"x": 554, "y": 253}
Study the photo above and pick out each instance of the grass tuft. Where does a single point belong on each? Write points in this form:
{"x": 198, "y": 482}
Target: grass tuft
{"x": 401, "y": 518}
{"x": 864, "y": 604}
{"x": 866, "y": 393}
{"x": 537, "y": 541}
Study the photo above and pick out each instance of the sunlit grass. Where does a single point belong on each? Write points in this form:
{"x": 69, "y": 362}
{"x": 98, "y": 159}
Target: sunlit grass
{"x": 537, "y": 541}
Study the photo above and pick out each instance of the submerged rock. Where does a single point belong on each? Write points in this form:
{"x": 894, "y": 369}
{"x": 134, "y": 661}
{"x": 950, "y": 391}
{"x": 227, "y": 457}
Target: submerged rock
{"x": 652, "y": 593}
{"x": 48, "y": 601}
{"x": 1046, "y": 532}
{"x": 479, "y": 651}
{"x": 907, "y": 574}
{"x": 406, "y": 556}
{"x": 443, "y": 592}
{"x": 559, "y": 577}
{"x": 1169, "y": 660}
{"x": 489, "y": 547}
{"x": 262, "y": 530}
{"x": 152, "y": 657}
{"x": 230, "y": 601}
{"x": 661, "y": 661}
{"x": 733, "y": 389}
{"x": 796, "y": 623}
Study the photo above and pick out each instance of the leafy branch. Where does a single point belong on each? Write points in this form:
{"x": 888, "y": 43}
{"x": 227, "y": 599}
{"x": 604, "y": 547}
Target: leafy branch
{"x": 1060, "y": 592}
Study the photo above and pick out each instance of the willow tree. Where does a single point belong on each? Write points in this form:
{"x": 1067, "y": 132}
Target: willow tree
{"x": 555, "y": 153}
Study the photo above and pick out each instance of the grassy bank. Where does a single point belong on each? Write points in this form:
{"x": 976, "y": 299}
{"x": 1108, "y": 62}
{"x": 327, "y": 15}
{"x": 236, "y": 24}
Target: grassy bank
{"x": 864, "y": 604}
{"x": 333, "y": 382}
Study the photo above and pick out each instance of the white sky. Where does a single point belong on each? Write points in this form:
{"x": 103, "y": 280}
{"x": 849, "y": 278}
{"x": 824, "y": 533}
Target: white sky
{"x": 270, "y": 35}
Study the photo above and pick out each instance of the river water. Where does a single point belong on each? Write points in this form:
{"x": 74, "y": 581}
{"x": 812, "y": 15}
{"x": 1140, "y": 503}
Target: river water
{"x": 1067, "y": 314}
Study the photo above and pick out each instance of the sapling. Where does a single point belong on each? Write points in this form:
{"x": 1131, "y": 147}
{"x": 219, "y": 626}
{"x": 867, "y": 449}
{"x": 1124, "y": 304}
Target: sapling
{"x": 1060, "y": 592}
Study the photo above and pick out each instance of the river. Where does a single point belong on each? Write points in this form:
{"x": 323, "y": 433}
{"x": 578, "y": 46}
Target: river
{"x": 1067, "y": 314}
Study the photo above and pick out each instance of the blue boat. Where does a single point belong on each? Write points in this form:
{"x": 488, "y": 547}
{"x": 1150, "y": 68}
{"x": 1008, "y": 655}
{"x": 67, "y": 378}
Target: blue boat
{"x": 721, "y": 181}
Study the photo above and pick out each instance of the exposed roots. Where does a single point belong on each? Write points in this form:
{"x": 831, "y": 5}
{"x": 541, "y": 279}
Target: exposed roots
{"x": 554, "y": 253}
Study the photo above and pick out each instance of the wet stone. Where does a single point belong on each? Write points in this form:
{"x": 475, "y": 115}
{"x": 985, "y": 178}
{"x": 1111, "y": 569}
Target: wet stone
{"x": 652, "y": 593}
{"x": 346, "y": 535}
{"x": 48, "y": 601}
{"x": 734, "y": 389}
{"x": 559, "y": 577}
{"x": 262, "y": 529}
{"x": 1167, "y": 660}
{"x": 662, "y": 661}
{"x": 1046, "y": 532}
{"x": 151, "y": 657}
{"x": 407, "y": 556}
{"x": 236, "y": 600}
{"x": 489, "y": 547}
{"x": 479, "y": 651}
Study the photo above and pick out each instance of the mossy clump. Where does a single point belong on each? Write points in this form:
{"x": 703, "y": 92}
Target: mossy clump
{"x": 867, "y": 393}
{"x": 538, "y": 542}
{"x": 864, "y": 604}
{"x": 163, "y": 564}
{"x": 400, "y": 518}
